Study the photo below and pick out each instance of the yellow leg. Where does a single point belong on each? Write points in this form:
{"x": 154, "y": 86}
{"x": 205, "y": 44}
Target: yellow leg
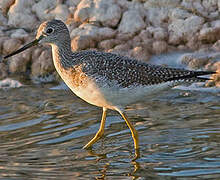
{"x": 100, "y": 132}
{"x": 134, "y": 135}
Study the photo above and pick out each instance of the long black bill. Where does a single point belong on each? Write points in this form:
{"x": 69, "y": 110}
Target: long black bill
{"x": 33, "y": 43}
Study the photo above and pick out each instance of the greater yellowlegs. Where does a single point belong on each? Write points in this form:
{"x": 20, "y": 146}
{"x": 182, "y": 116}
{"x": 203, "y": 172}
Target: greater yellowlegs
{"x": 104, "y": 79}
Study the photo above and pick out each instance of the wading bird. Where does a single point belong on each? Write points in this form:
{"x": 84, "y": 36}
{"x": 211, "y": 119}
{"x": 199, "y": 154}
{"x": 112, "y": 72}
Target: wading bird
{"x": 107, "y": 80}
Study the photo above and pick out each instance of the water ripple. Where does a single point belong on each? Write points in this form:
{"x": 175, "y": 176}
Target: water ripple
{"x": 42, "y": 132}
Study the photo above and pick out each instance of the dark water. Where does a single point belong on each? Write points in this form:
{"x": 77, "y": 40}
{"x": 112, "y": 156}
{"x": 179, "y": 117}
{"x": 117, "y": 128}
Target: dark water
{"x": 42, "y": 132}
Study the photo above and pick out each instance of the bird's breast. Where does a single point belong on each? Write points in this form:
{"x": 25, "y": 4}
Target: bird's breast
{"x": 82, "y": 85}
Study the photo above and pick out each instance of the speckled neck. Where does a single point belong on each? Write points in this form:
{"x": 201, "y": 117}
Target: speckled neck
{"x": 62, "y": 54}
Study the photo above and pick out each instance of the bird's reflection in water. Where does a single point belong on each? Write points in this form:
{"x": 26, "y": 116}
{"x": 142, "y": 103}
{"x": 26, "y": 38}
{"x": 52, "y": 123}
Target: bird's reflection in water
{"x": 136, "y": 168}
{"x": 98, "y": 155}
{"x": 103, "y": 172}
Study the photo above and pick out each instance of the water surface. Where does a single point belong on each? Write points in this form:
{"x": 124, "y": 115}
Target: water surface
{"x": 42, "y": 132}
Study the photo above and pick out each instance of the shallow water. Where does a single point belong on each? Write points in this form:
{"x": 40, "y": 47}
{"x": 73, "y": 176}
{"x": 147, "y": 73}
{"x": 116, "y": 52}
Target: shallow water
{"x": 42, "y": 132}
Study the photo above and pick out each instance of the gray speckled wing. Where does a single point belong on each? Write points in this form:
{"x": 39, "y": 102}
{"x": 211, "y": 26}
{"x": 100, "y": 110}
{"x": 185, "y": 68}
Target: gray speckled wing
{"x": 125, "y": 71}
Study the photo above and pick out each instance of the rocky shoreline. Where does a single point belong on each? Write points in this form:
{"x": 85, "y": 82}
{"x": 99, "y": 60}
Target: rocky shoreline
{"x": 138, "y": 28}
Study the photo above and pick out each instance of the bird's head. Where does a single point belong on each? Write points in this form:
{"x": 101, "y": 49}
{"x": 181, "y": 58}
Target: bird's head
{"x": 50, "y": 32}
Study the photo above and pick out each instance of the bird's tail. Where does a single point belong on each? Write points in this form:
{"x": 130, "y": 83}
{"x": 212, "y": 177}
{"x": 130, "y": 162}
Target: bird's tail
{"x": 202, "y": 73}
{"x": 194, "y": 76}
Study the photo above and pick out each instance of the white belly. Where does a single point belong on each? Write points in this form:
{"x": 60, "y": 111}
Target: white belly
{"x": 126, "y": 96}
{"x": 93, "y": 95}
{"x": 114, "y": 97}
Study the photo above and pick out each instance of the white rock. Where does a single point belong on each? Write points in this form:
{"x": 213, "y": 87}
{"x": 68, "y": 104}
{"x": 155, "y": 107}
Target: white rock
{"x": 145, "y": 34}
{"x": 82, "y": 42}
{"x": 106, "y": 33}
{"x": 194, "y": 5}
{"x": 206, "y": 25}
{"x": 159, "y": 47}
{"x": 135, "y": 5}
{"x": 19, "y": 33}
{"x": 150, "y": 29}
{"x": 121, "y": 49}
{"x": 213, "y": 15}
{"x": 198, "y": 6}
{"x": 199, "y": 59}
{"x": 210, "y": 34}
{"x": 106, "y": 12}
{"x": 11, "y": 45}
{"x": 1, "y": 34}
{"x": 162, "y": 3}
{"x": 218, "y": 5}
{"x": 216, "y": 46}
{"x": 186, "y": 4}
{"x": 139, "y": 53}
{"x": 71, "y": 3}
{"x": 157, "y": 16}
{"x": 210, "y": 5}
{"x": 83, "y": 11}
{"x": 3, "y": 20}
{"x": 124, "y": 4}
{"x": 43, "y": 8}
{"x": 9, "y": 83}
{"x": 18, "y": 64}
{"x": 108, "y": 43}
{"x": 5, "y": 4}
{"x": 3, "y": 70}
{"x": 215, "y": 23}
{"x": 20, "y": 14}
{"x": 93, "y": 32}
{"x": 178, "y": 13}
{"x": 184, "y": 29}
{"x": 158, "y": 33}
{"x": 43, "y": 64}
{"x": 131, "y": 22}
{"x": 61, "y": 12}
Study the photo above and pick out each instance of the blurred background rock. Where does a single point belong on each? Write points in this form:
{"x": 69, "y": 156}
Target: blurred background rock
{"x": 135, "y": 28}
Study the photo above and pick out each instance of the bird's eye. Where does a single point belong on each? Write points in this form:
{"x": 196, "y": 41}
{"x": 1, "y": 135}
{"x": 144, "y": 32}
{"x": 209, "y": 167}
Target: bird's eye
{"x": 49, "y": 31}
